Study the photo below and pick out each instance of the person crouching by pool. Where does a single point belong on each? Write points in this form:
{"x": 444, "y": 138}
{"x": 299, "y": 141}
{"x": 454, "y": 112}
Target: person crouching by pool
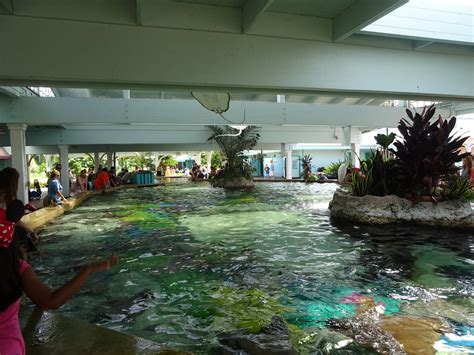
{"x": 55, "y": 189}
{"x": 17, "y": 277}
{"x": 102, "y": 180}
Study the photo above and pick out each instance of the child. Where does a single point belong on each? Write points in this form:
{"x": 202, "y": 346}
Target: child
{"x": 16, "y": 276}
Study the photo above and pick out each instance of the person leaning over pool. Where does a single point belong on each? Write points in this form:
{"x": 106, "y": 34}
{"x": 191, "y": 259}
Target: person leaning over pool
{"x": 55, "y": 189}
{"x": 16, "y": 276}
{"x": 8, "y": 192}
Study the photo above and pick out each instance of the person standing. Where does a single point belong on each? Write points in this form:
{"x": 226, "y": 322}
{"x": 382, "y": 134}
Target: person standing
{"x": 81, "y": 181}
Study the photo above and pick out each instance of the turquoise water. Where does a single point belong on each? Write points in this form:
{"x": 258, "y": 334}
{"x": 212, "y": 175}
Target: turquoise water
{"x": 198, "y": 261}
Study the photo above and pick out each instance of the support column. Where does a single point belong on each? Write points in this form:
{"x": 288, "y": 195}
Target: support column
{"x": 288, "y": 162}
{"x": 18, "y": 146}
{"x": 109, "y": 160}
{"x": 64, "y": 160}
{"x": 96, "y": 161}
{"x": 209, "y": 161}
{"x": 355, "y": 147}
{"x": 352, "y": 138}
{"x": 197, "y": 158}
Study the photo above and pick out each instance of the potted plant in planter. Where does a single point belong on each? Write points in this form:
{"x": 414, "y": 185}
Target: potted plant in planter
{"x": 397, "y": 190}
{"x": 237, "y": 171}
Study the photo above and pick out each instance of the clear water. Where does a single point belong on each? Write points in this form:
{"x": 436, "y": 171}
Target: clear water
{"x": 197, "y": 261}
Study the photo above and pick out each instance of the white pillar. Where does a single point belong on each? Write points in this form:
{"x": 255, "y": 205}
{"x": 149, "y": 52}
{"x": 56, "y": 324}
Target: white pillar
{"x": 355, "y": 148}
{"x": 96, "y": 161}
{"x": 18, "y": 146}
{"x": 288, "y": 162}
{"x": 197, "y": 158}
{"x": 209, "y": 161}
{"x": 64, "y": 160}
{"x": 109, "y": 160}
{"x": 352, "y": 138}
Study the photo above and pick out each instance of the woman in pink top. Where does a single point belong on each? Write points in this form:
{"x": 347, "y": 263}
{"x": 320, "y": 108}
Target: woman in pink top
{"x": 17, "y": 277}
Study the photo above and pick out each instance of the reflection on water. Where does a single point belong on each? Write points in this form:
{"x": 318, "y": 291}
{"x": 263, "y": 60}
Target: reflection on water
{"x": 197, "y": 261}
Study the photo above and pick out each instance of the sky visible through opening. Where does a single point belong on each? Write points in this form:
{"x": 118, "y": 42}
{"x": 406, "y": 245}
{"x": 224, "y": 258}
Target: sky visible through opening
{"x": 442, "y": 20}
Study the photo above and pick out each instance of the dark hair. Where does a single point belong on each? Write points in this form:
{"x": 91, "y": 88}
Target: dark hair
{"x": 9, "y": 184}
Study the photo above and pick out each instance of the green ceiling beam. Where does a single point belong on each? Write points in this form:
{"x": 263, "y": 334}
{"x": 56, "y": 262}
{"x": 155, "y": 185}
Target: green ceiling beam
{"x": 251, "y": 11}
{"x": 361, "y": 14}
{"x": 74, "y": 54}
{"x": 68, "y": 111}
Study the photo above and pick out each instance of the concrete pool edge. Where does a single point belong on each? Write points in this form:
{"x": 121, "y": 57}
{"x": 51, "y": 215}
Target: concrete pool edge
{"x": 52, "y": 333}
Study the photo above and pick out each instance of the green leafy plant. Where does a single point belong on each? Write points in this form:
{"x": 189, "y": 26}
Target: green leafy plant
{"x": 456, "y": 186}
{"x": 361, "y": 183}
{"x": 332, "y": 168}
{"x": 426, "y": 153}
{"x": 384, "y": 141}
{"x": 232, "y": 147}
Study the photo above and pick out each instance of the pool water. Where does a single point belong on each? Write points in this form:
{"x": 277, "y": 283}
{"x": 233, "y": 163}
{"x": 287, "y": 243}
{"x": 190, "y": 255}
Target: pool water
{"x": 198, "y": 261}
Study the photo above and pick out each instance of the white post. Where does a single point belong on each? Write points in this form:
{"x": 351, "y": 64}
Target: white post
{"x": 281, "y": 99}
{"x": 288, "y": 162}
{"x": 198, "y": 158}
{"x": 355, "y": 147}
{"x": 18, "y": 146}
{"x": 47, "y": 158}
{"x": 352, "y": 138}
{"x": 109, "y": 160}
{"x": 209, "y": 161}
{"x": 64, "y": 160}
{"x": 96, "y": 161}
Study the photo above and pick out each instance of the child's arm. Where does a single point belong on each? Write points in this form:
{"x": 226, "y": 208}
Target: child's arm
{"x": 45, "y": 298}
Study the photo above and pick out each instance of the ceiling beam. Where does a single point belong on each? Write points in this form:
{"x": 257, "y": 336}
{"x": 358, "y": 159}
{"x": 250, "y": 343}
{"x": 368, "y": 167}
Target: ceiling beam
{"x": 361, "y": 14}
{"x": 78, "y": 58}
{"x": 66, "y": 111}
{"x": 6, "y": 7}
{"x": 377, "y": 102}
{"x": 10, "y": 91}
{"x": 421, "y": 44}
{"x": 337, "y": 100}
{"x": 138, "y": 9}
{"x": 251, "y": 11}
{"x": 363, "y": 101}
{"x": 167, "y": 135}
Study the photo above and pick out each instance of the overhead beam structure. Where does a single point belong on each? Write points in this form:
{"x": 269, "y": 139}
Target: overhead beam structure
{"x": 361, "y": 14}
{"x": 66, "y": 111}
{"x": 172, "y": 135}
{"x": 251, "y": 11}
{"x": 170, "y": 58}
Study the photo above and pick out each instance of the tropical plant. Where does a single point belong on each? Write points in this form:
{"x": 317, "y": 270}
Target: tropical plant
{"x": 307, "y": 160}
{"x": 361, "y": 183}
{"x": 331, "y": 169}
{"x": 168, "y": 160}
{"x": 79, "y": 163}
{"x": 456, "y": 186}
{"x": 384, "y": 140}
{"x": 427, "y": 153}
{"x": 232, "y": 147}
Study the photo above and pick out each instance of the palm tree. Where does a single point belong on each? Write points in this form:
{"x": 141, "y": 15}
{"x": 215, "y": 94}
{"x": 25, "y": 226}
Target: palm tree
{"x": 233, "y": 146}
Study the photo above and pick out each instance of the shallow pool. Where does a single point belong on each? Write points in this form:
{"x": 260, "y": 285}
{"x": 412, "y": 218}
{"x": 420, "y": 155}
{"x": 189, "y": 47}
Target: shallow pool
{"x": 197, "y": 262}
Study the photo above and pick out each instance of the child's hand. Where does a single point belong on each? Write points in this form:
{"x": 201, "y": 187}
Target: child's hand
{"x": 103, "y": 264}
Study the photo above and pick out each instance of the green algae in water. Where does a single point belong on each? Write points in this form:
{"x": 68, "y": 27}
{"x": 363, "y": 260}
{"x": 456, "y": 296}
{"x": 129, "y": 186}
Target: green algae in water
{"x": 250, "y": 309}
